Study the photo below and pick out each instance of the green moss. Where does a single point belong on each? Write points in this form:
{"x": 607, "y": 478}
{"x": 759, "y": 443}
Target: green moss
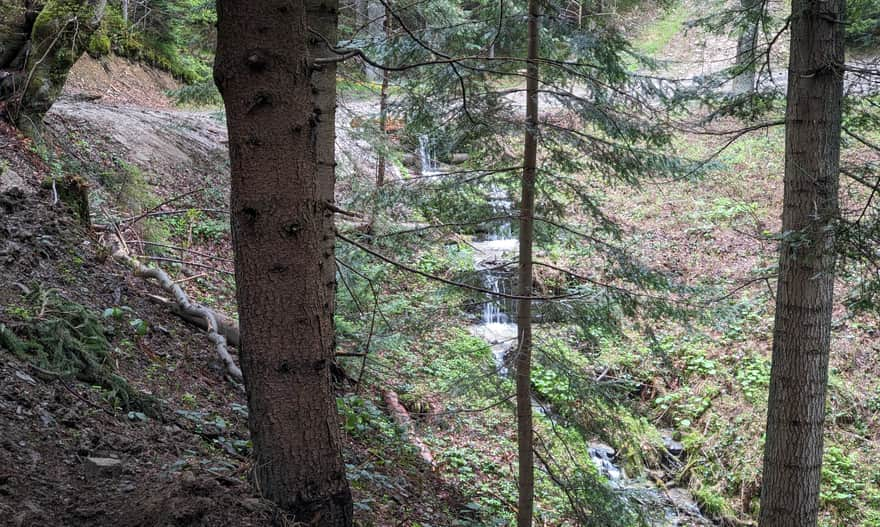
{"x": 99, "y": 44}
{"x": 711, "y": 503}
{"x": 60, "y": 35}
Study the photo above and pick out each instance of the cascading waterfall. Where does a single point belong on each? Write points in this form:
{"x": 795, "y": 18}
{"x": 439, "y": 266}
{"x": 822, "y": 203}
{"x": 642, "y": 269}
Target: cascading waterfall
{"x": 496, "y": 325}
{"x": 668, "y": 507}
{"x": 426, "y": 156}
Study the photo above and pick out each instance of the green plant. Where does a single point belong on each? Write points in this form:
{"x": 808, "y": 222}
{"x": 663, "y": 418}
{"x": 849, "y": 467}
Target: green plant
{"x": 140, "y": 327}
{"x": 753, "y": 375}
{"x": 361, "y": 418}
{"x": 841, "y": 485}
{"x": 656, "y": 38}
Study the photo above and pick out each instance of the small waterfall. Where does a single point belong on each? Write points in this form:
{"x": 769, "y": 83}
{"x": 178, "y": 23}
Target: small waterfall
{"x": 501, "y": 206}
{"x": 673, "y": 507}
{"x": 496, "y": 324}
{"x": 426, "y": 156}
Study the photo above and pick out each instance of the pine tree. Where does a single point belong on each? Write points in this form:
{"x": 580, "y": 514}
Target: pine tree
{"x": 805, "y": 291}
{"x": 524, "y": 305}
{"x": 279, "y": 105}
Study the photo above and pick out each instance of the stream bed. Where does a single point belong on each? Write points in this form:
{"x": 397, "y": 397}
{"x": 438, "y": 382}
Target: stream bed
{"x": 663, "y": 506}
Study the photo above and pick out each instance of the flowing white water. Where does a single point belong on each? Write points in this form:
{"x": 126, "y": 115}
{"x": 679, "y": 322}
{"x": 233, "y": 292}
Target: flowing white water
{"x": 496, "y": 326}
{"x": 667, "y": 507}
{"x": 427, "y": 160}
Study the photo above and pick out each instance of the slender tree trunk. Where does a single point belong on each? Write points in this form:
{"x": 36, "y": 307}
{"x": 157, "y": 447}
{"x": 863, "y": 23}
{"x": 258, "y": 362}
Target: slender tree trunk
{"x": 282, "y": 235}
{"x": 745, "y": 49}
{"x": 802, "y": 332}
{"x": 383, "y": 110}
{"x": 524, "y": 306}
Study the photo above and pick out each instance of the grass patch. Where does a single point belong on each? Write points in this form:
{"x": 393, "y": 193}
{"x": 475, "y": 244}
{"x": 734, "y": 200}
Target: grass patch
{"x": 657, "y": 36}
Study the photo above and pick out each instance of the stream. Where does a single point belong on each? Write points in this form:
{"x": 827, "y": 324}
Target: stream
{"x": 664, "y": 507}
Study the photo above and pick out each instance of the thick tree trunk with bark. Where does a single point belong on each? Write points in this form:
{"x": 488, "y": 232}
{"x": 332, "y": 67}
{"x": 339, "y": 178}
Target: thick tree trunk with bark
{"x": 39, "y": 43}
{"x": 323, "y": 18}
{"x": 280, "y": 119}
{"x": 745, "y": 48}
{"x": 802, "y": 332}
{"x": 524, "y": 307}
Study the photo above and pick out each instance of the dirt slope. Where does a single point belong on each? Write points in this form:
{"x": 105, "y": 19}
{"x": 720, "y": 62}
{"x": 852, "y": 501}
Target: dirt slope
{"x": 178, "y": 447}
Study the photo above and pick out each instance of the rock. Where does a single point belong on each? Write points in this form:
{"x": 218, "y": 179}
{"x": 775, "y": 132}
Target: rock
{"x": 255, "y": 505}
{"x": 603, "y": 457}
{"x": 675, "y": 448}
{"x": 26, "y": 378}
{"x": 10, "y": 181}
{"x": 458, "y": 158}
{"x": 102, "y": 467}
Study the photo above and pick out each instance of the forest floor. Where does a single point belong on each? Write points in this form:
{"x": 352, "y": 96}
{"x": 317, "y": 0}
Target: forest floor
{"x": 185, "y": 461}
{"x": 187, "y": 464}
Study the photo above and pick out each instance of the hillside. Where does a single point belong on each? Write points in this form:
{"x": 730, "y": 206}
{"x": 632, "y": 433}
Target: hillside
{"x": 116, "y": 410}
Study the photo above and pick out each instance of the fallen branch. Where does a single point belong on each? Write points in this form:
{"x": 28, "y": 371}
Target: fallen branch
{"x": 188, "y": 310}
{"x": 403, "y": 420}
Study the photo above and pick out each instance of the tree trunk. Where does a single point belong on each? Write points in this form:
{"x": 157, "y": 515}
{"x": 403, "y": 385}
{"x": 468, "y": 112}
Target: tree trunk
{"x": 744, "y": 82}
{"x": 524, "y": 306}
{"x": 376, "y": 32}
{"x": 802, "y": 332}
{"x": 383, "y": 110}
{"x": 38, "y": 49}
{"x": 279, "y": 125}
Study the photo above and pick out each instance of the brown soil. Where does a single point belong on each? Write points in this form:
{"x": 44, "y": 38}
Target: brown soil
{"x": 189, "y": 466}
{"x": 115, "y": 80}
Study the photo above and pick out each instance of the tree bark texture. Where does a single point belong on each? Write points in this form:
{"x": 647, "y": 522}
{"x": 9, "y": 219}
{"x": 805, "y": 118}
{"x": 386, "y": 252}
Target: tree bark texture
{"x": 323, "y": 18}
{"x": 802, "y": 331}
{"x": 39, "y": 43}
{"x": 383, "y": 109}
{"x": 280, "y": 120}
{"x": 524, "y": 308}
{"x": 745, "y": 48}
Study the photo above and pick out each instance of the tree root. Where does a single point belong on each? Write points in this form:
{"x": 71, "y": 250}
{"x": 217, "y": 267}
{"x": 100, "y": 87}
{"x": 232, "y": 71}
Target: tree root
{"x": 190, "y": 311}
{"x": 225, "y": 325}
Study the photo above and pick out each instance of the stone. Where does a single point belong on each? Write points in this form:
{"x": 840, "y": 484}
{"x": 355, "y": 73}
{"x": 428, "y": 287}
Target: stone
{"x": 675, "y": 448}
{"x": 25, "y": 377}
{"x": 102, "y": 467}
{"x": 10, "y": 181}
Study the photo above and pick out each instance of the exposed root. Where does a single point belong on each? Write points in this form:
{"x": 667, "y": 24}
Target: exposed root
{"x": 187, "y": 309}
{"x": 225, "y": 325}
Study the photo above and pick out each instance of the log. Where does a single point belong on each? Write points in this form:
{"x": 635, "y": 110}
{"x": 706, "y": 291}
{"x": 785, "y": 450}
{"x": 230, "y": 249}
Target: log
{"x": 404, "y": 421}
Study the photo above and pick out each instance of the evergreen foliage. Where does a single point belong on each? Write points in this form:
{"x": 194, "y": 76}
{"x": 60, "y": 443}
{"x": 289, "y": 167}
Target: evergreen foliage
{"x": 175, "y": 35}
{"x": 64, "y": 338}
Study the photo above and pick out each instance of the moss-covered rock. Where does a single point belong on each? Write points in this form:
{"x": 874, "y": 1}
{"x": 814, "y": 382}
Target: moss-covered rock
{"x": 14, "y": 30}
